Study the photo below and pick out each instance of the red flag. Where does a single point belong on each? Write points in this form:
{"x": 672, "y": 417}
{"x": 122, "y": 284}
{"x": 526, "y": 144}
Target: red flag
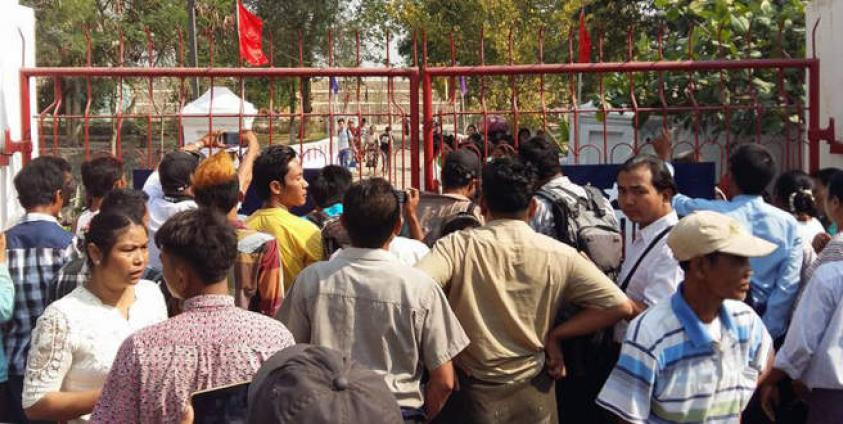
{"x": 250, "y": 30}
{"x": 584, "y": 40}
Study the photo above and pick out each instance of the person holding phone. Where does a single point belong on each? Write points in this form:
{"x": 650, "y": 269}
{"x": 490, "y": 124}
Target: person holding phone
{"x": 77, "y": 337}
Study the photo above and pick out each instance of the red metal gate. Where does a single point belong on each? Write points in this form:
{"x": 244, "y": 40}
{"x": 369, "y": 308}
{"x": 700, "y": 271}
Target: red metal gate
{"x": 800, "y": 136}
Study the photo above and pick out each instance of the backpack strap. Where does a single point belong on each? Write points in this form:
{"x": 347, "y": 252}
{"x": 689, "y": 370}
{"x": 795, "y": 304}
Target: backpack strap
{"x": 561, "y": 211}
{"x": 652, "y": 244}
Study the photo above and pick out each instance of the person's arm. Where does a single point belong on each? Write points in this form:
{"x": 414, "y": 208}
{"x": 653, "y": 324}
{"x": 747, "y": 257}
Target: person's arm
{"x": 7, "y": 287}
{"x": 293, "y": 312}
{"x": 49, "y": 360}
{"x": 438, "y": 388}
{"x": 120, "y": 398}
{"x": 63, "y": 406}
{"x": 786, "y": 287}
{"x": 247, "y": 163}
{"x": 410, "y": 208}
{"x": 439, "y": 264}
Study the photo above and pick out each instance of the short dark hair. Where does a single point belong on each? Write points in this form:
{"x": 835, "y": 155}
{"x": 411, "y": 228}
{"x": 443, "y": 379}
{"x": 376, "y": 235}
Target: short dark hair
{"x": 370, "y": 212}
{"x": 202, "y": 239}
{"x": 794, "y": 190}
{"x": 222, "y": 197}
{"x": 329, "y": 185}
{"x": 835, "y": 186}
{"x": 710, "y": 257}
{"x": 100, "y": 174}
{"x": 272, "y": 165}
{"x": 341, "y": 120}
{"x": 661, "y": 178}
{"x": 125, "y": 201}
{"x": 508, "y": 186}
{"x": 824, "y": 175}
{"x": 752, "y": 167}
{"x": 38, "y": 181}
{"x": 106, "y": 227}
{"x": 542, "y": 155}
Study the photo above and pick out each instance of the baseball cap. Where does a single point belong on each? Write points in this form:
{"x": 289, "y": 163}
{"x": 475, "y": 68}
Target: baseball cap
{"x": 175, "y": 170}
{"x": 313, "y": 384}
{"x": 462, "y": 165}
{"x": 704, "y": 232}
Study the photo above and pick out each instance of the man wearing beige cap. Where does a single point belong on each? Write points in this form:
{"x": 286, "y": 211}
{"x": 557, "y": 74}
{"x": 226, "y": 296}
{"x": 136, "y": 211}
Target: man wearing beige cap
{"x": 698, "y": 356}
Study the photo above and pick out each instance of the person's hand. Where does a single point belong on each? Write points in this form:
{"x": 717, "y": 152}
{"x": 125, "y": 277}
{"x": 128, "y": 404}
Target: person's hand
{"x": 412, "y": 202}
{"x": 555, "y": 359}
{"x": 769, "y": 399}
{"x": 187, "y": 414}
{"x": 211, "y": 139}
{"x": 2, "y": 247}
{"x": 251, "y": 140}
{"x": 820, "y": 241}
{"x": 663, "y": 145}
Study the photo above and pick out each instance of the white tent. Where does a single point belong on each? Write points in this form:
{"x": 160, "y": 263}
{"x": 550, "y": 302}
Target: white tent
{"x": 225, "y": 102}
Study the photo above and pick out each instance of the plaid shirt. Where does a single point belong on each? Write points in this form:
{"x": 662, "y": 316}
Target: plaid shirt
{"x": 37, "y": 248}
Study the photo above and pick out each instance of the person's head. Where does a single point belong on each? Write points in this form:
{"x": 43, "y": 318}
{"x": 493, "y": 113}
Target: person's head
{"x": 471, "y": 129}
{"x": 352, "y": 123}
{"x": 751, "y": 168}
{"x": 387, "y": 130}
{"x": 45, "y": 183}
{"x": 341, "y": 122}
{"x": 129, "y": 202}
{"x": 645, "y": 189}
{"x": 822, "y": 178}
{"x": 508, "y": 186}
{"x": 313, "y": 384}
{"x": 101, "y": 175}
{"x": 330, "y": 185}
{"x": 198, "y": 248}
{"x": 174, "y": 172}
{"x": 542, "y": 155}
{"x": 793, "y": 192}
{"x": 523, "y": 135}
{"x": 714, "y": 250}
{"x": 116, "y": 246}
{"x": 834, "y": 199}
{"x": 363, "y": 122}
{"x": 461, "y": 170}
{"x": 278, "y": 177}
{"x": 215, "y": 183}
{"x": 371, "y": 213}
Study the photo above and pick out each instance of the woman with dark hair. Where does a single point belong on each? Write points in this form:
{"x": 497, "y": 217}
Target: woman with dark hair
{"x": 793, "y": 192}
{"x": 76, "y": 339}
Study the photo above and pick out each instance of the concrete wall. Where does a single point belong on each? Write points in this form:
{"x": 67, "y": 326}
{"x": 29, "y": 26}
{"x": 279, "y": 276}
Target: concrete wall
{"x": 830, "y": 53}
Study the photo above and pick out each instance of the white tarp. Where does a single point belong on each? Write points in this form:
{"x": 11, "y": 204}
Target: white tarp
{"x": 17, "y": 34}
{"x": 225, "y": 102}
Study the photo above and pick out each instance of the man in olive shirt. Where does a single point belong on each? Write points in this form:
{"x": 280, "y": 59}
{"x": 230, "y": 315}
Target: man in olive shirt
{"x": 506, "y": 283}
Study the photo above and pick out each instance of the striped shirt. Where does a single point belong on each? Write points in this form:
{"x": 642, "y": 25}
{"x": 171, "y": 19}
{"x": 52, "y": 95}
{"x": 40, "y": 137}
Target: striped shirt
{"x": 671, "y": 370}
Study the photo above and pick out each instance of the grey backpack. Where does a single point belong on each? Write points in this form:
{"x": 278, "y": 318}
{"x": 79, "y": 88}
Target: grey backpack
{"x": 587, "y": 224}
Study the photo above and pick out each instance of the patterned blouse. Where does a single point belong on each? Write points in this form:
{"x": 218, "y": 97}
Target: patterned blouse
{"x": 75, "y": 340}
{"x": 211, "y": 344}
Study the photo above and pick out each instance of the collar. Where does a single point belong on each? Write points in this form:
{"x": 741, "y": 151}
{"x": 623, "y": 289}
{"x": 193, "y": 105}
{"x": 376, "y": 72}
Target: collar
{"x": 747, "y": 198}
{"x": 694, "y": 328}
{"x": 333, "y": 210}
{"x": 456, "y": 196}
{"x": 508, "y": 223}
{"x": 238, "y": 224}
{"x": 361, "y": 253}
{"x": 559, "y": 180}
{"x": 204, "y": 301}
{"x": 37, "y": 216}
{"x": 647, "y": 233}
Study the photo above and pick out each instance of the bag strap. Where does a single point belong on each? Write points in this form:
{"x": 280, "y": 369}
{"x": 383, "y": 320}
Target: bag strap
{"x": 626, "y": 280}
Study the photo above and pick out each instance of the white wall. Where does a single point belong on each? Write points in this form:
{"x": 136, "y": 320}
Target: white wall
{"x": 830, "y": 53}
{"x": 15, "y": 21}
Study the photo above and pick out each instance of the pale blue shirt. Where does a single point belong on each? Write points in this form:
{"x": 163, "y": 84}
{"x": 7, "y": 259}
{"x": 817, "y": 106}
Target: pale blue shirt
{"x": 775, "y": 278}
{"x": 813, "y": 348}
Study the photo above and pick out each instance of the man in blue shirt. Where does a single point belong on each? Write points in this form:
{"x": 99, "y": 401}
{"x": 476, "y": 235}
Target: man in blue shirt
{"x": 775, "y": 278}
{"x": 37, "y": 247}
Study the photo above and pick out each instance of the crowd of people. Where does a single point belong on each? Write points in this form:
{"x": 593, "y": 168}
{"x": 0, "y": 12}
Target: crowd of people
{"x": 508, "y": 297}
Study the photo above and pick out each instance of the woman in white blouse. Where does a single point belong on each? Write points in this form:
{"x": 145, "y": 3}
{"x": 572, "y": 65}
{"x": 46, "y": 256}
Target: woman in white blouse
{"x": 77, "y": 337}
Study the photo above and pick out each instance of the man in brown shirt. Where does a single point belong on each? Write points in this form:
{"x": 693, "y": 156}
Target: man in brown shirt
{"x": 506, "y": 283}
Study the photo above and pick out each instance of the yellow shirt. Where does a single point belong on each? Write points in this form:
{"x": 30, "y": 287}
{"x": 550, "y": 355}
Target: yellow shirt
{"x": 299, "y": 240}
{"x": 506, "y": 283}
